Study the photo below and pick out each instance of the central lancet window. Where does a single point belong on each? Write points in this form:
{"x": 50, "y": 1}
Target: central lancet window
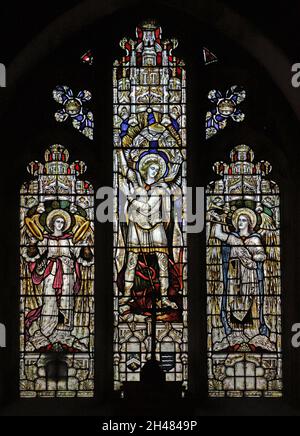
{"x": 150, "y": 291}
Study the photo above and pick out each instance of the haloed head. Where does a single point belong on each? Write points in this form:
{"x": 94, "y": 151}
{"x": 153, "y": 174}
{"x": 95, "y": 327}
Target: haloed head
{"x": 244, "y": 223}
{"x": 153, "y": 171}
{"x": 59, "y": 224}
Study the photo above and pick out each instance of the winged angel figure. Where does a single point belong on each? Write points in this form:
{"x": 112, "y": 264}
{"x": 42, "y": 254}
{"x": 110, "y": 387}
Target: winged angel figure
{"x": 57, "y": 265}
{"x": 152, "y": 184}
{"x": 243, "y": 271}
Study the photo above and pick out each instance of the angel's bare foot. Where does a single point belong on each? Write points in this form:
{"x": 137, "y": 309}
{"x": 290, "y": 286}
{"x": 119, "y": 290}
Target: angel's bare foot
{"x": 165, "y": 302}
{"x": 127, "y": 317}
{"x": 124, "y": 301}
{"x": 127, "y": 293}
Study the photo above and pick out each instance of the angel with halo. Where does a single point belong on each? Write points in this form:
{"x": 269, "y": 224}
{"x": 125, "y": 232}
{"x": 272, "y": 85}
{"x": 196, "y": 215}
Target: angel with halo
{"x": 245, "y": 259}
{"x": 150, "y": 185}
{"x": 54, "y": 256}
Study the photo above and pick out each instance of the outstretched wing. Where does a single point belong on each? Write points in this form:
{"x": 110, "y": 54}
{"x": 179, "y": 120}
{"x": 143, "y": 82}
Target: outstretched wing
{"x": 214, "y": 261}
{"x": 84, "y": 304}
{"x": 175, "y": 185}
{"x": 271, "y": 240}
{"x": 217, "y": 258}
{"x": 269, "y": 232}
{"x": 31, "y": 294}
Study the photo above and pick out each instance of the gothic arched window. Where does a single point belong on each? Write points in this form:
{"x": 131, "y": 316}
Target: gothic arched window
{"x": 57, "y": 280}
{"x": 150, "y": 230}
{"x": 244, "y": 279}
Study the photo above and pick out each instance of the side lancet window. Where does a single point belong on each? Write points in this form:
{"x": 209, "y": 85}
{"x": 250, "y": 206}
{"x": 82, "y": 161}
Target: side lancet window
{"x": 150, "y": 291}
{"x": 57, "y": 280}
{"x": 243, "y": 279}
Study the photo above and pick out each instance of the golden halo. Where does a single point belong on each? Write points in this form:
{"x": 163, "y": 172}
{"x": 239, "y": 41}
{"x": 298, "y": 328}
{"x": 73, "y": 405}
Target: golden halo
{"x": 246, "y": 212}
{"x": 59, "y": 213}
{"x": 81, "y": 232}
{"x": 154, "y": 157}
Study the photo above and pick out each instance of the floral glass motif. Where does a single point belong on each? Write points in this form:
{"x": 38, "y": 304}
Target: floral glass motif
{"x": 57, "y": 280}
{"x": 226, "y": 107}
{"x": 244, "y": 279}
{"x": 150, "y": 294}
{"x": 73, "y": 107}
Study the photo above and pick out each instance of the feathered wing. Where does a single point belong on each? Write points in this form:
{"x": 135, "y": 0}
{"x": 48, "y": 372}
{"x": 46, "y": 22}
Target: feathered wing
{"x": 31, "y": 294}
{"x": 270, "y": 235}
{"x": 216, "y": 281}
{"x": 84, "y": 304}
{"x": 175, "y": 201}
{"x": 175, "y": 182}
{"x": 122, "y": 227}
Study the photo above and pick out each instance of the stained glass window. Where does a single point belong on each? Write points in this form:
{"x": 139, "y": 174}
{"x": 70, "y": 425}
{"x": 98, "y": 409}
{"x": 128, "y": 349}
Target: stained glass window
{"x": 57, "y": 279}
{"x": 150, "y": 292}
{"x": 243, "y": 279}
{"x": 225, "y": 106}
